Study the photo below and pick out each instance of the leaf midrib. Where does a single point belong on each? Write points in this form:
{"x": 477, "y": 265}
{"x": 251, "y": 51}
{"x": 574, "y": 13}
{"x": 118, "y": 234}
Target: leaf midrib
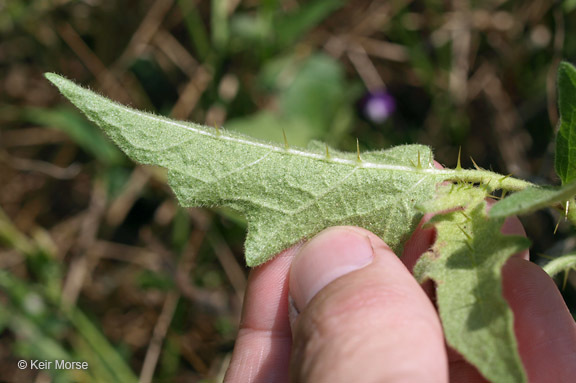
{"x": 222, "y": 135}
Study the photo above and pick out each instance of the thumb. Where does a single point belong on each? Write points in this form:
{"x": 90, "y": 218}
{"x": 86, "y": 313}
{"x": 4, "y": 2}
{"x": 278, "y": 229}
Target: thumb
{"x": 361, "y": 316}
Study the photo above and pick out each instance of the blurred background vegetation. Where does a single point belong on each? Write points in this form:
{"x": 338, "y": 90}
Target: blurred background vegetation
{"x": 98, "y": 263}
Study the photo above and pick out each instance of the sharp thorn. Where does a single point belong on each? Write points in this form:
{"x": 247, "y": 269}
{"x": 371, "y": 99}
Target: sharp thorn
{"x": 557, "y": 225}
{"x": 469, "y": 238}
{"x": 217, "y": 129}
{"x": 545, "y": 256}
{"x": 286, "y": 146}
{"x": 358, "y": 150}
{"x": 566, "y": 210}
{"x": 419, "y": 163}
{"x": 458, "y": 166}
{"x": 475, "y": 164}
{"x": 465, "y": 215}
{"x": 464, "y": 232}
{"x": 327, "y": 152}
{"x": 565, "y": 281}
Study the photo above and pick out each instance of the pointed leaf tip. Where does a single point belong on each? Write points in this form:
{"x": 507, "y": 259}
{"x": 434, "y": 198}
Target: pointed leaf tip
{"x": 55, "y": 79}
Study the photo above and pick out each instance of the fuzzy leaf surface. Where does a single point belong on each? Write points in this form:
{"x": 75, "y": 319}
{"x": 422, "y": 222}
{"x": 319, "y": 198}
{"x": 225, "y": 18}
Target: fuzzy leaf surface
{"x": 532, "y": 199}
{"x": 286, "y": 194}
{"x": 466, "y": 262}
{"x": 566, "y": 138}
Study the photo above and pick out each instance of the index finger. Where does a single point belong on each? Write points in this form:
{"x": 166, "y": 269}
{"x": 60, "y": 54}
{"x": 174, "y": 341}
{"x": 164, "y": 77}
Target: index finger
{"x": 262, "y": 349}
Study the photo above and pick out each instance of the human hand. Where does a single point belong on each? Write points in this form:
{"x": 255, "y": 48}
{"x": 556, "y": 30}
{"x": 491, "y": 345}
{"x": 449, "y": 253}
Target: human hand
{"x": 361, "y": 316}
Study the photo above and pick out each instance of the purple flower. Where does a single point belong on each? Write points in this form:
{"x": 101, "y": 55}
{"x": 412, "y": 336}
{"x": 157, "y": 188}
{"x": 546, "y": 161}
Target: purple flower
{"x": 378, "y": 105}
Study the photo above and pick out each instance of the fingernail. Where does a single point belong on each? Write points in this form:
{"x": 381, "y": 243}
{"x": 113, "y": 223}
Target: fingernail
{"x": 331, "y": 254}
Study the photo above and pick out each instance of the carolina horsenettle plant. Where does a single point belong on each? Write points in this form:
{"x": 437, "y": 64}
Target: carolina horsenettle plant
{"x": 288, "y": 194}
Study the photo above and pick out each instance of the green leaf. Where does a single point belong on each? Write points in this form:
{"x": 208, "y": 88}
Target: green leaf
{"x": 466, "y": 262}
{"x": 566, "y": 138}
{"x": 560, "y": 264}
{"x": 287, "y": 194}
{"x": 531, "y": 199}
